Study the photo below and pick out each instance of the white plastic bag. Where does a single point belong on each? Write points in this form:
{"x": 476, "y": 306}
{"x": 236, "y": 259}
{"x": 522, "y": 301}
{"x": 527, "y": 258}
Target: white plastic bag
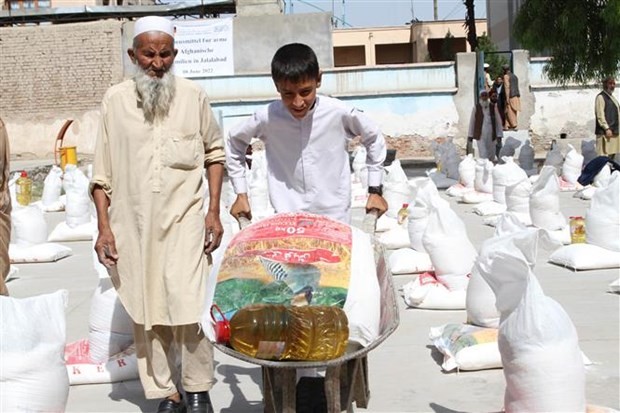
{"x": 506, "y": 174}
{"x": 78, "y": 207}
{"x": 46, "y": 252}
{"x": 409, "y": 261}
{"x": 396, "y": 189}
{"x": 571, "y": 168}
{"x": 29, "y": 226}
{"x": 467, "y": 171}
{"x": 423, "y": 191}
{"x": 555, "y": 158}
{"x": 518, "y": 200}
{"x": 538, "y": 342}
{"x": 545, "y": 201}
{"x": 483, "y": 181}
{"x": 445, "y": 239}
{"x": 33, "y": 377}
{"x": 429, "y": 293}
{"x": 603, "y": 216}
{"x": 120, "y": 367}
{"x": 526, "y": 157}
{"x": 52, "y": 186}
{"x": 466, "y": 347}
{"x": 585, "y": 257}
{"x": 110, "y": 329}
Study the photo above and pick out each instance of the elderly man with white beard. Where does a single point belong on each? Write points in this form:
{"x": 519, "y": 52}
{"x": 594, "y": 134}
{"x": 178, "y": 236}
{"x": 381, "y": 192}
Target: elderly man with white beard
{"x": 156, "y": 133}
{"x": 485, "y": 127}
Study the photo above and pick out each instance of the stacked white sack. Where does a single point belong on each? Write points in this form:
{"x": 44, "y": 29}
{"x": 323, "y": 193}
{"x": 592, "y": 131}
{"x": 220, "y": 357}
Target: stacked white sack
{"x": 538, "y": 342}
{"x": 33, "y": 376}
{"x": 526, "y": 158}
{"x": 571, "y": 168}
{"x": 545, "y": 201}
{"x": 424, "y": 194}
{"x": 602, "y": 221}
{"x": 395, "y": 188}
{"x": 467, "y": 175}
{"x": 483, "y": 183}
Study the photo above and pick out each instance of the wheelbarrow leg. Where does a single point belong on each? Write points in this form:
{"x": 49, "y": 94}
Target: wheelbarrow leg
{"x": 332, "y": 389}
{"x": 361, "y": 390}
{"x": 279, "y": 390}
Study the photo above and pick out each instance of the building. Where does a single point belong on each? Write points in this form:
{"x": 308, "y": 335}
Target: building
{"x": 501, "y": 15}
{"x": 420, "y": 42}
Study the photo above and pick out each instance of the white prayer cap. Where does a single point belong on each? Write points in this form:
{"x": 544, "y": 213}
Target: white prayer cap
{"x": 486, "y": 65}
{"x": 153, "y": 24}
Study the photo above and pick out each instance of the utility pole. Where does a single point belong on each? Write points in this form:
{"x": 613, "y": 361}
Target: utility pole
{"x": 435, "y": 10}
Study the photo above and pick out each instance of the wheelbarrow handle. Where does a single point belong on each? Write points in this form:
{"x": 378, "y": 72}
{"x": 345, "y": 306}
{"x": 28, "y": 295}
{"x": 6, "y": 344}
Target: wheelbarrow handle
{"x": 243, "y": 221}
{"x": 369, "y": 224}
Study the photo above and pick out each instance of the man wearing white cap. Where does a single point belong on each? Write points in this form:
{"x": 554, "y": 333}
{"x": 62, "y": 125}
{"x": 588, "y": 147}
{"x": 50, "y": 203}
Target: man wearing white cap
{"x": 157, "y": 131}
{"x": 488, "y": 83}
{"x": 485, "y": 127}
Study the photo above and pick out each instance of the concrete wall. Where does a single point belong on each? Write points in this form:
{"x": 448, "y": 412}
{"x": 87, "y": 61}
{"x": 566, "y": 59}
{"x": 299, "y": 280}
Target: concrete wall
{"x": 52, "y": 73}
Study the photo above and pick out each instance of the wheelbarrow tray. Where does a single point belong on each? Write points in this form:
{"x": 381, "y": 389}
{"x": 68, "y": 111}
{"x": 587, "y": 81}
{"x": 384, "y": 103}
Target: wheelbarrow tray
{"x": 346, "y": 377}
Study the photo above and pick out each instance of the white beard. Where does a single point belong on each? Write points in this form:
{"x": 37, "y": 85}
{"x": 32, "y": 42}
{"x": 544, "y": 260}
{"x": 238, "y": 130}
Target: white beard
{"x": 484, "y": 103}
{"x": 156, "y": 93}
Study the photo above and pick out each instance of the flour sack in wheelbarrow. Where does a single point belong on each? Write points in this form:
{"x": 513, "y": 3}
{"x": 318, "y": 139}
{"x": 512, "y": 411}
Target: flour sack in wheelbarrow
{"x": 300, "y": 259}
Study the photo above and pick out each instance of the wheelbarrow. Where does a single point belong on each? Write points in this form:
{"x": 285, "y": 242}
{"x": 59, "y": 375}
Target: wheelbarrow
{"x": 346, "y": 377}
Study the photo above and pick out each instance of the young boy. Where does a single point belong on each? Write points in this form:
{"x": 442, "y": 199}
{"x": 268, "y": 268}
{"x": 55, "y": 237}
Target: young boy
{"x": 305, "y": 137}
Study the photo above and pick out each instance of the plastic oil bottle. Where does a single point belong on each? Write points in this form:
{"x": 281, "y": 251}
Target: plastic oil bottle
{"x": 402, "y": 215}
{"x": 277, "y": 332}
{"x": 23, "y": 189}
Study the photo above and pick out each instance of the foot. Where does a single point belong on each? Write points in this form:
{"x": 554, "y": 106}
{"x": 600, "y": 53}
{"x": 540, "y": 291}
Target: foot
{"x": 199, "y": 402}
{"x": 171, "y": 406}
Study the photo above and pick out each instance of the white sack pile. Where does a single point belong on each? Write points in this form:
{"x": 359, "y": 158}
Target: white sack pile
{"x": 602, "y": 221}
{"x": 447, "y": 158}
{"x": 33, "y": 377}
{"x": 467, "y": 176}
{"x": 79, "y": 224}
{"x": 505, "y": 174}
{"x": 483, "y": 184}
{"x": 545, "y": 201}
{"x": 29, "y": 238}
{"x": 395, "y": 188}
{"x": 526, "y": 158}
{"x": 424, "y": 194}
{"x": 51, "y": 201}
{"x": 538, "y": 342}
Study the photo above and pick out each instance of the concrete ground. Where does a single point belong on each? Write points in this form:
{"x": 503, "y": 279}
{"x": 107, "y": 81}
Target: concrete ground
{"x": 404, "y": 371}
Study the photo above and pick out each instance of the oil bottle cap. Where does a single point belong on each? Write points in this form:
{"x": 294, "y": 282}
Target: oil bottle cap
{"x": 24, "y": 174}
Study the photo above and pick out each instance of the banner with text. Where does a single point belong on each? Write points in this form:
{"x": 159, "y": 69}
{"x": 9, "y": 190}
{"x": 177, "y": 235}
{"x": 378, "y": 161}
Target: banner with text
{"x": 205, "y": 48}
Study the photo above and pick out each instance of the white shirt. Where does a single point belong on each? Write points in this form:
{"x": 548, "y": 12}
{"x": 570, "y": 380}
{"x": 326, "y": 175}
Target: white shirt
{"x": 307, "y": 159}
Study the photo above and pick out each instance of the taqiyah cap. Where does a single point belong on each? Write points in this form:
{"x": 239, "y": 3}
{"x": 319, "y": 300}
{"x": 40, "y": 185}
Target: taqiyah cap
{"x": 486, "y": 65}
{"x": 153, "y": 24}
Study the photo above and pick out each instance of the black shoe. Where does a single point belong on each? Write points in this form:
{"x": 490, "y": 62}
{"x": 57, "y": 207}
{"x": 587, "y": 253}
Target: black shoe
{"x": 170, "y": 406}
{"x": 199, "y": 402}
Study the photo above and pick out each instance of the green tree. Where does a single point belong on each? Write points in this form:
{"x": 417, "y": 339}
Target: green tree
{"x": 447, "y": 48}
{"x": 495, "y": 60}
{"x": 581, "y": 36}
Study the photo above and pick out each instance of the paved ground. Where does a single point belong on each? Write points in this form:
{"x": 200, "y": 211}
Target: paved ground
{"x": 405, "y": 373}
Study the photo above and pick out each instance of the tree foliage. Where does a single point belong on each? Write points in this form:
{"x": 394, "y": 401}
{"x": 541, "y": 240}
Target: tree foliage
{"x": 447, "y": 48}
{"x": 495, "y": 60}
{"x": 581, "y": 36}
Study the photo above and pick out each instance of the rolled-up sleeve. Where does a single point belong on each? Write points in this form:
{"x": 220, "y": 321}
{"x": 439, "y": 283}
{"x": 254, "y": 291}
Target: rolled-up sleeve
{"x": 374, "y": 142}
{"x": 102, "y": 165}
{"x": 236, "y": 145}
{"x": 211, "y": 134}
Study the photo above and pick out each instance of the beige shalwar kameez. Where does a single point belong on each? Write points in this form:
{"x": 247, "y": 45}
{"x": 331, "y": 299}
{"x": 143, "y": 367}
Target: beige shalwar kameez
{"x": 152, "y": 174}
{"x": 5, "y": 209}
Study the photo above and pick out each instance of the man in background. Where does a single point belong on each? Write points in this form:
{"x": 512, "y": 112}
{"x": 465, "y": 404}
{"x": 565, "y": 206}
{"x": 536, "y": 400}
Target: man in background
{"x": 607, "y": 111}
{"x": 5, "y": 209}
{"x": 485, "y": 127}
{"x": 513, "y": 98}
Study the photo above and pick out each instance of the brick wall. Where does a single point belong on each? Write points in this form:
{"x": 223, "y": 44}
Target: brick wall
{"x": 55, "y": 71}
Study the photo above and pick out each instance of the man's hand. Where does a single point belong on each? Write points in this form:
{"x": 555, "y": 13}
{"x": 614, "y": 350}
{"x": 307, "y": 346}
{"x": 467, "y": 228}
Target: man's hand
{"x": 213, "y": 232}
{"x": 376, "y": 202}
{"x": 608, "y": 133}
{"x": 241, "y": 207}
{"x": 105, "y": 247}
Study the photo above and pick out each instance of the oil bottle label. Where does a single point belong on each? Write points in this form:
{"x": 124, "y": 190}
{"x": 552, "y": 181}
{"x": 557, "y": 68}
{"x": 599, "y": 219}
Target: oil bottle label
{"x": 270, "y": 350}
